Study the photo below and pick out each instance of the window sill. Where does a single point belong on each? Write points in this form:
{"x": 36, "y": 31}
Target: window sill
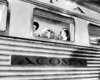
{"x": 52, "y": 40}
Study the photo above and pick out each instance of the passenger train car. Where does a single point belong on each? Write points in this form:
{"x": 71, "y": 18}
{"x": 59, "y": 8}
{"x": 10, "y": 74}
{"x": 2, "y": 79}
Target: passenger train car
{"x": 48, "y": 40}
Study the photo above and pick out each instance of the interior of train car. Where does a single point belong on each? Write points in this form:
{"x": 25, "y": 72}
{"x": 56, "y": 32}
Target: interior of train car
{"x": 47, "y": 22}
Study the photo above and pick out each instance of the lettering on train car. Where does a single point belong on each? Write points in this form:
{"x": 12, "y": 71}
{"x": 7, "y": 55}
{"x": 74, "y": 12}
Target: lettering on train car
{"x": 47, "y": 61}
{"x": 78, "y": 9}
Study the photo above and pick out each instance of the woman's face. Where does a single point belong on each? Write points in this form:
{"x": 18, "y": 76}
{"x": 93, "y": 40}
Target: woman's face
{"x": 64, "y": 34}
{"x": 34, "y": 27}
{"x": 49, "y": 34}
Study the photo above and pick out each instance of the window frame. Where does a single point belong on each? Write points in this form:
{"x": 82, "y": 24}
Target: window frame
{"x": 54, "y": 40}
{"x": 90, "y": 42}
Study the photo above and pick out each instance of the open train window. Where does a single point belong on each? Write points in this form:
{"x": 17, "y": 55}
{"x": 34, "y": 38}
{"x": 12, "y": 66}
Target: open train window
{"x": 50, "y": 25}
{"x": 94, "y": 34}
{"x": 3, "y": 14}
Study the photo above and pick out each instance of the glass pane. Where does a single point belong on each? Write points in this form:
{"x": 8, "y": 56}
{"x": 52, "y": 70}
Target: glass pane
{"x": 94, "y": 33}
{"x": 3, "y": 15}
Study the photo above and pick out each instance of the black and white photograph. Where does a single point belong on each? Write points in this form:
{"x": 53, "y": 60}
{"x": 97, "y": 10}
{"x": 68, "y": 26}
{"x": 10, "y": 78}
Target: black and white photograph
{"x": 49, "y": 39}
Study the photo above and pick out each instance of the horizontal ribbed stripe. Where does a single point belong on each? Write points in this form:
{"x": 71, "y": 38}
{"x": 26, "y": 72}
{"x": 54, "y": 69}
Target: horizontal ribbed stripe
{"x": 51, "y": 77}
{"x": 4, "y": 54}
{"x": 46, "y": 68}
{"x": 53, "y": 71}
{"x": 32, "y": 72}
{"x": 4, "y": 62}
{"x": 95, "y": 62}
{"x": 4, "y": 57}
{"x": 94, "y": 65}
{"x": 48, "y": 79}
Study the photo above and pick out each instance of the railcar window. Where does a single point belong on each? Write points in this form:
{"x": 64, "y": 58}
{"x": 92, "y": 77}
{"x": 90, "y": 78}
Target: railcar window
{"x": 94, "y": 34}
{"x": 49, "y": 25}
{"x": 3, "y": 16}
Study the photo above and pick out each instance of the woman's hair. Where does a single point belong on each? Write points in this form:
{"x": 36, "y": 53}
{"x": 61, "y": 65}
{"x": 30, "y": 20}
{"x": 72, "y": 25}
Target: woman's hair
{"x": 66, "y": 30}
{"x": 50, "y": 31}
{"x": 37, "y": 25}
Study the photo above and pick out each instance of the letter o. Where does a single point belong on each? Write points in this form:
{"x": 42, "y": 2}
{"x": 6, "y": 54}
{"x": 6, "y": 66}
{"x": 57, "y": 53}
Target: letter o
{"x": 54, "y": 61}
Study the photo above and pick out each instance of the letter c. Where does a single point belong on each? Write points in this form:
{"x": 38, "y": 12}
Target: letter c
{"x": 41, "y": 60}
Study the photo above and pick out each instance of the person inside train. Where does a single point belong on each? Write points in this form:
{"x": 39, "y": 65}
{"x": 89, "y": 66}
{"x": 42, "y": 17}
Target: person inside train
{"x": 48, "y": 34}
{"x": 64, "y": 34}
{"x": 35, "y": 27}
